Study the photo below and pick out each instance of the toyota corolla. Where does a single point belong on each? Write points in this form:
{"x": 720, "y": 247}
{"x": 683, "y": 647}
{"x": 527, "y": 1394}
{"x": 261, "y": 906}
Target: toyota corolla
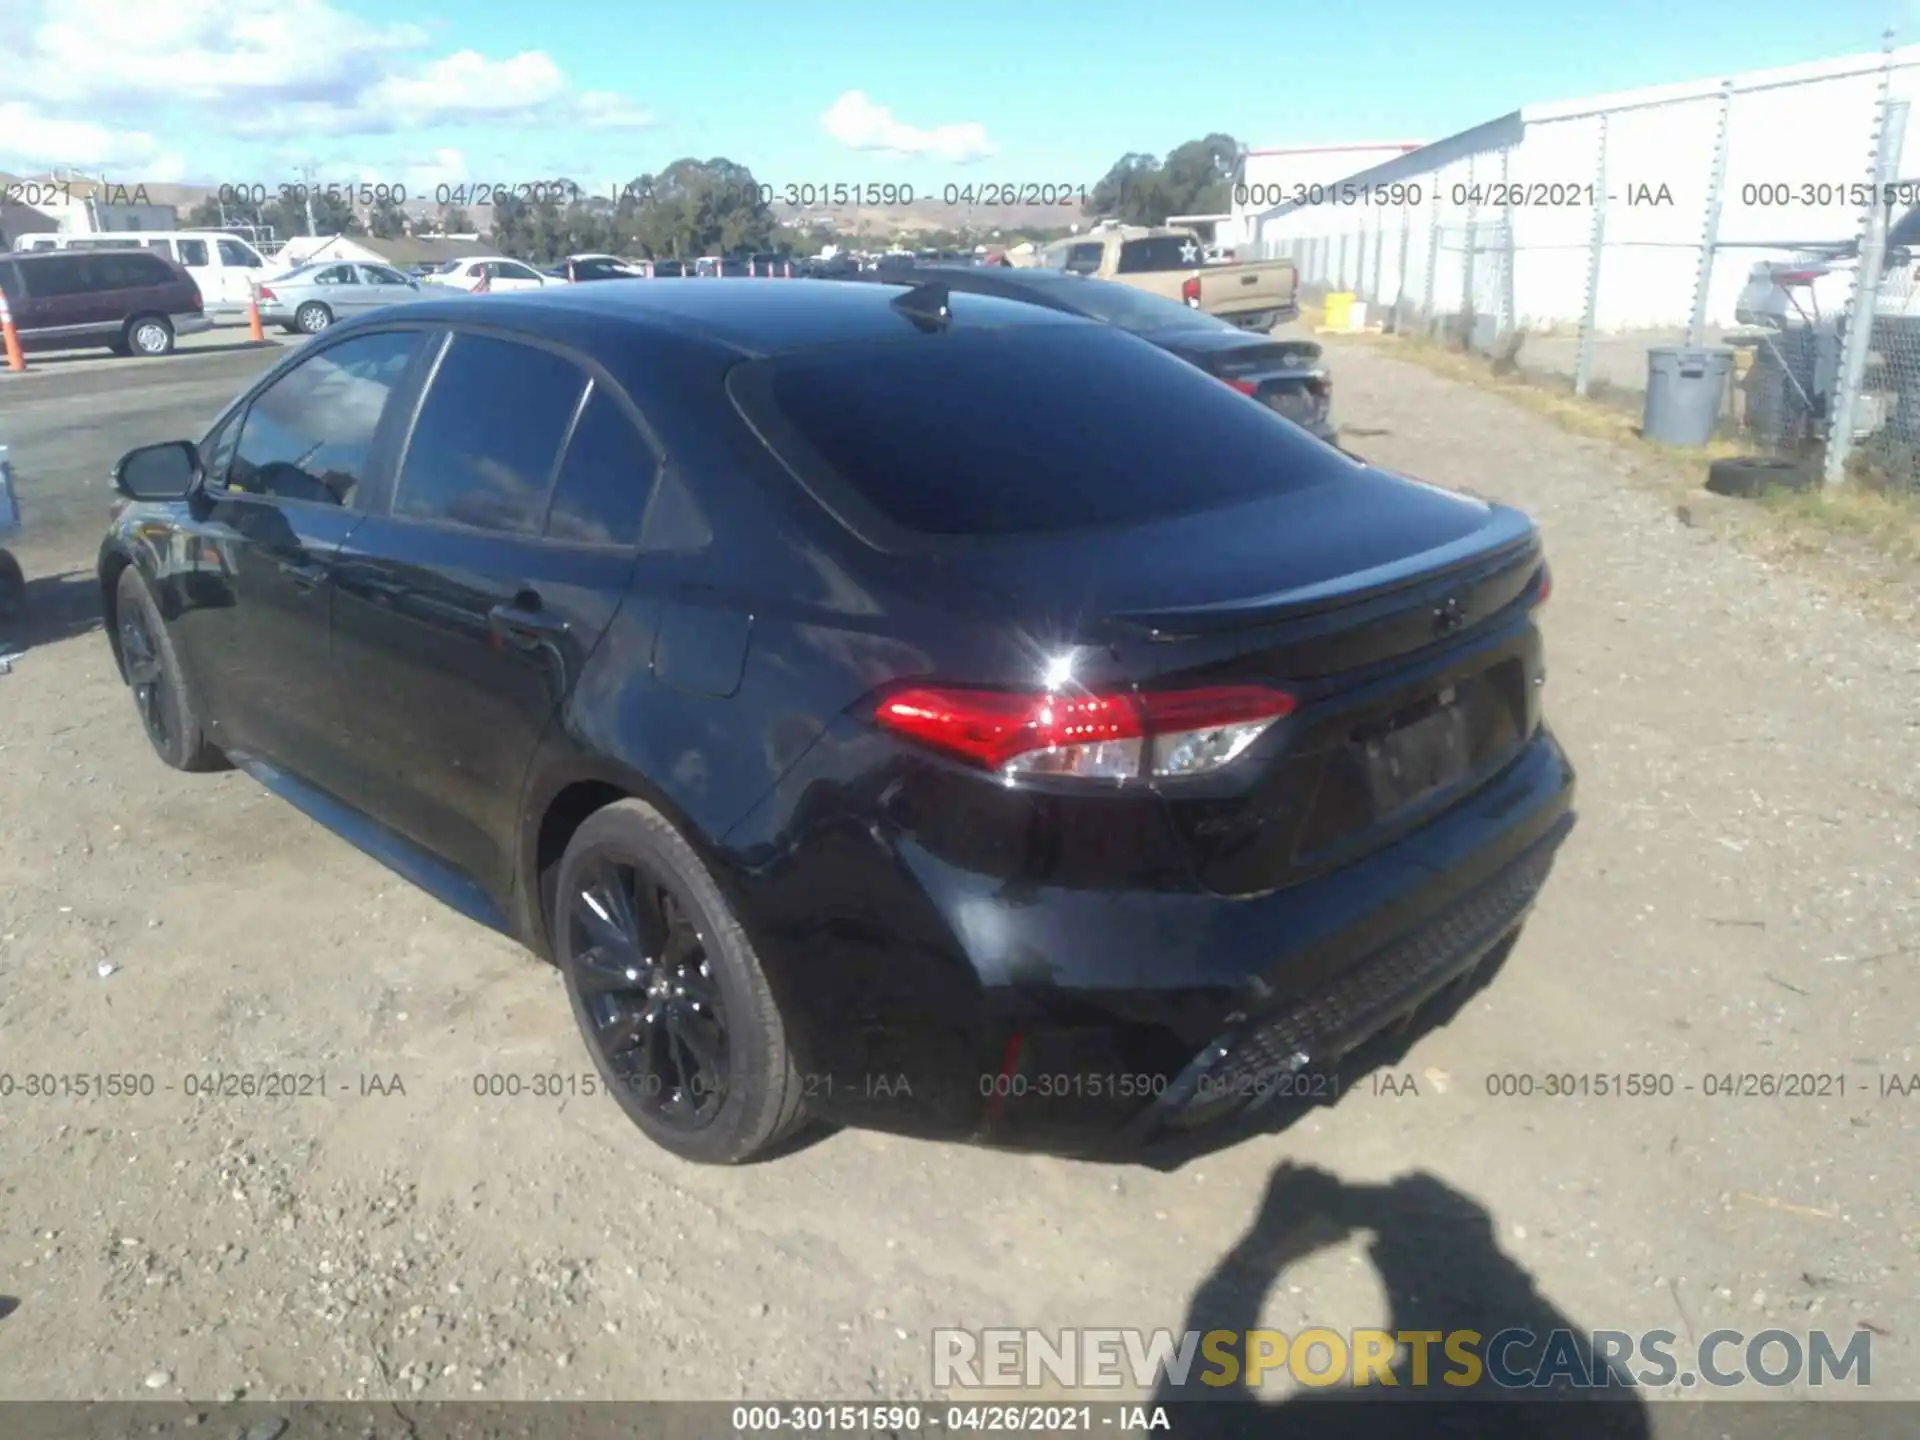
{"x": 875, "y": 701}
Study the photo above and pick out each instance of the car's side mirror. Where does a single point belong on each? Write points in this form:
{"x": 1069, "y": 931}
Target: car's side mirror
{"x": 169, "y": 471}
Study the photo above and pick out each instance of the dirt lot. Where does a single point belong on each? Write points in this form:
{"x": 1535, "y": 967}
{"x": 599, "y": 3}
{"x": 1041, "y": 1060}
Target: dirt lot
{"x": 1738, "y": 899}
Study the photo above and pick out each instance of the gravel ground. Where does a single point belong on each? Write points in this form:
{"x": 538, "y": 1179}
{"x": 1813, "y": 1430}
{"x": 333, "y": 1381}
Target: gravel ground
{"x": 1738, "y": 900}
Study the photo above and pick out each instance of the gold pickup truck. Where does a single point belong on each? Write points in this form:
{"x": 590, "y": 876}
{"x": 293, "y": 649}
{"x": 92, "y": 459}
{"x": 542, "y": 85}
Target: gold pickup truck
{"x": 1171, "y": 262}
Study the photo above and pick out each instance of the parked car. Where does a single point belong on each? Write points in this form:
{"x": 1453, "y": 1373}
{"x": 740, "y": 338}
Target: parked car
{"x": 938, "y": 719}
{"x": 311, "y": 298}
{"x": 659, "y": 269}
{"x": 223, "y": 266}
{"x": 1290, "y": 377}
{"x": 578, "y": 268}
{"x": 1171, "y": 261}
{"x": 132, "y": 302}
{"x": 499, "y": 273}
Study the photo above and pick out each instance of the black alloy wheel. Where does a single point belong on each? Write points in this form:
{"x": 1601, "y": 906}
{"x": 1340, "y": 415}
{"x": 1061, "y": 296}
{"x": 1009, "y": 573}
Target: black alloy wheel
{"x": 668, "y": 991}
{"x": 146, "y": 676}
{"x": 657, "y": 1022}
{"x": 169, "y": 711}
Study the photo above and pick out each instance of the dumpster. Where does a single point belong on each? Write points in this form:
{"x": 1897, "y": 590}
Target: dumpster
{"x": 1685, "y": 391}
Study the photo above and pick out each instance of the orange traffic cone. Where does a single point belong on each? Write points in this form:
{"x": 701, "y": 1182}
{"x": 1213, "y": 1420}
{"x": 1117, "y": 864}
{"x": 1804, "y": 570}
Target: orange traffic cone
{"x": 254, "y": 333}
{"x": 16, "y": 361}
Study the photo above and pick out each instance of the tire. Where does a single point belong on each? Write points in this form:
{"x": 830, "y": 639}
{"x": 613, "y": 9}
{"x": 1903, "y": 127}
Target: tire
{"x": 696, "y": 972}
{"x": 312, "y": 317}
{"x": 13, "y": 588}
{"x": 169, "y": 712}
{"x": 1754, "y": 475}
{"x": 150, "y": 336}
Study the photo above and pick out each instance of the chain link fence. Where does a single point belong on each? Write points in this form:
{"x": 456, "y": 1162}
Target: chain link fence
{"x": 1756, "y": 215}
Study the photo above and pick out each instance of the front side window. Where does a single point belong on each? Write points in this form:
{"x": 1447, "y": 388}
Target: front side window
{"x": 193, "y": 252}
{"x": 1082, "y": 259}
{"x": 484, "y": 445}
{"x": 309, "y": 435}
{"x": 233, "y": 253}
{"x": 165, "y": 247}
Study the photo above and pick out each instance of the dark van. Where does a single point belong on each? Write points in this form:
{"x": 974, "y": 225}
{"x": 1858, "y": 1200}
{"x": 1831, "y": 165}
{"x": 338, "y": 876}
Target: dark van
{"x": 133, "y": 302}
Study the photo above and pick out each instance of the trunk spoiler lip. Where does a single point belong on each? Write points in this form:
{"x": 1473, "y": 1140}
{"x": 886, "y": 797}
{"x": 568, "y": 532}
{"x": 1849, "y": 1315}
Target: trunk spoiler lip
{"x": 1508, "y": 537}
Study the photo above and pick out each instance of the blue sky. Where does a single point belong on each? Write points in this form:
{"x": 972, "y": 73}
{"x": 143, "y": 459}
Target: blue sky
{"x": 500, "y": 90}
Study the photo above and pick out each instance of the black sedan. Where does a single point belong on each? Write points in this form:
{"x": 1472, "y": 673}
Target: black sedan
{"x": 1289, "y": 376}
{"x": 870, "y": 702}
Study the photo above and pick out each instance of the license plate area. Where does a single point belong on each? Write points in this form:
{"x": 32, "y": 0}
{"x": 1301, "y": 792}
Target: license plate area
{"x": 1391, "y": 763}
{"x": 1413, "y": 753}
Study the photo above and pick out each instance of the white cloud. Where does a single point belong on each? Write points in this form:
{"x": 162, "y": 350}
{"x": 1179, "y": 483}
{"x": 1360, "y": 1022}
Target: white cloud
{"x": 859, "y": 124}
{"x": 79, "y": 142}
{"x": 96, "y": 81}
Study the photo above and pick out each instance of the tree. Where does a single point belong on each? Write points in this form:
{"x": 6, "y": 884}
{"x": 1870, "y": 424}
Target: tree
{"x": 696, "y": 207}
{"x": 386, "y": 220}
{"x": 1195, "y": 179}
{"x": 456, "y": 221}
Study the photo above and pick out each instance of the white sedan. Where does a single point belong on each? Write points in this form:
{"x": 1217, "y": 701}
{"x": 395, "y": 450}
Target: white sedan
{"x": 501, "y": 273}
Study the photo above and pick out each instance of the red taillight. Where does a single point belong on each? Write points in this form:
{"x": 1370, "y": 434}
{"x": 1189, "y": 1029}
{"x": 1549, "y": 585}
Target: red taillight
{"x": 1190, "y": 291}
{"x": 1245, "y": 387}
{"x": 1545, "y": 591}
{"x": 266, "y": 293}
{"x": 1117, "y": 736}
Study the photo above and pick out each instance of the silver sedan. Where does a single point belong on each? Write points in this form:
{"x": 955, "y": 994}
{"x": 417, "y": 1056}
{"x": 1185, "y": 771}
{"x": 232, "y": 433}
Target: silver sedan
{"x": 309, "y": 299}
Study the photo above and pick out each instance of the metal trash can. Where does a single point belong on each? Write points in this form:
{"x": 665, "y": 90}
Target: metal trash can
{"x": 1685, "y": 392}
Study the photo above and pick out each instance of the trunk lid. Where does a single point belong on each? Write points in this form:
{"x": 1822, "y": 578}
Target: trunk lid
{"x": 1355, "y": 534}
{"x": 1398, "y": 614}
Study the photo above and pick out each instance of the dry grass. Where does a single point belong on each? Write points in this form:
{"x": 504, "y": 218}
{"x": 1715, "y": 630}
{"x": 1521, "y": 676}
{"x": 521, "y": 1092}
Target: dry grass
{"x": 1880, "y": 526}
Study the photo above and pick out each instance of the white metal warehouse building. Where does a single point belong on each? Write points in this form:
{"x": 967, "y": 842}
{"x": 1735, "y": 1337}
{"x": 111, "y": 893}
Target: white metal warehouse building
{"x": 1519, "y": 217}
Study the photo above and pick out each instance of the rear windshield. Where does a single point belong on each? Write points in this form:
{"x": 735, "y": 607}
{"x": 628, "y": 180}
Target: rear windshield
{"x": 1029, "y": 430}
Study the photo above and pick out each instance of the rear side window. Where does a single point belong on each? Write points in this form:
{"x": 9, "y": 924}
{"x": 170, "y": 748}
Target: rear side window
{"x": 1162, "y": 252}
{"x": 487, "y": 438}
{"x": 129, "y": 271}
{"x": 1029, "y": 430}
{"x": 309, "y": 434}
{"x": 193, "y": 252}
{"x": 58, "y": 274}
{"x": 165, "y": 247}
{"x": 604, "y": 481}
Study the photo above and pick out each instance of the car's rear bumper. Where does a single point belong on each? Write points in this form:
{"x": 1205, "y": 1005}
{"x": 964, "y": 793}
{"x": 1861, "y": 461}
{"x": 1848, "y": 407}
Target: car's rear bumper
{"x": 1042, "y": 1016}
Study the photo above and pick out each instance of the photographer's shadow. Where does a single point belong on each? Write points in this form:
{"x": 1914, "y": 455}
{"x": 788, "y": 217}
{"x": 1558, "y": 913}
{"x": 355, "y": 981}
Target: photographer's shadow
{"x": 1443, "y": 1271}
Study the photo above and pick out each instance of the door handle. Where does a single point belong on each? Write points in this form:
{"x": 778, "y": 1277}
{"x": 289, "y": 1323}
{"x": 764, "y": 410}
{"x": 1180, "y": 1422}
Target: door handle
{"x": 526, "y": 621}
